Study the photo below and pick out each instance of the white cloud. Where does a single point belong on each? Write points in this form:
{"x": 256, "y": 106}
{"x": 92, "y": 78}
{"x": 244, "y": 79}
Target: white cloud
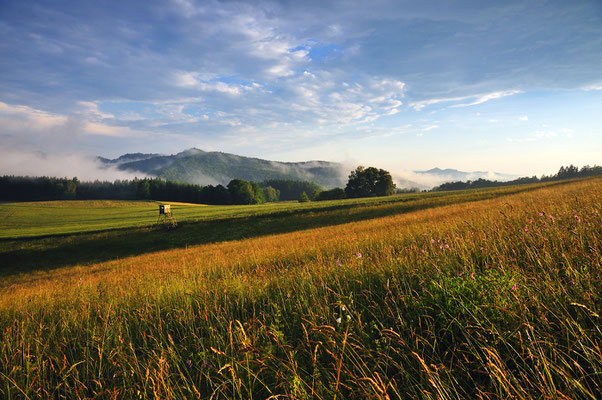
{"x": 524, "y": 118}
{"x": 593, "y": 86}
{"x": 90, "y": 110}
{"x": 477, "y": 99}
{"x": 21, "y": 122}
{"x": 193, "y": 80}
{"x": 29, "y": 163}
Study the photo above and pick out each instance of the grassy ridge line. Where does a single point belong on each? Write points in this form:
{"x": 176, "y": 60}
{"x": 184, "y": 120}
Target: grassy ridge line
{"x": 45, "y": 219}
{"x": 509, "y": 310}
{"x": 27, "y": 255}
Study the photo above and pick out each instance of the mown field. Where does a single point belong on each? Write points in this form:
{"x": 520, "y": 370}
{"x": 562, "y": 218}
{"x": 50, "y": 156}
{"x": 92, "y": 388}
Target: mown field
{"x": 483, "y": 294}
{"x": 51, "y": 218}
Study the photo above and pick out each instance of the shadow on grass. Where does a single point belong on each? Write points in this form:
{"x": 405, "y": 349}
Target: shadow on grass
{"x": 21, "y": 256}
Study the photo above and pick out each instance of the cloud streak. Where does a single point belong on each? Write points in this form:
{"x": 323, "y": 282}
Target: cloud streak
{"x": 476, "y": 99}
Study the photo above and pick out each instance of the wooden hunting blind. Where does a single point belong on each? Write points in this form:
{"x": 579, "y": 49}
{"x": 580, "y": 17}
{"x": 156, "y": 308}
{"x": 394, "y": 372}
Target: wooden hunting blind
{"x": 166, "y": 216}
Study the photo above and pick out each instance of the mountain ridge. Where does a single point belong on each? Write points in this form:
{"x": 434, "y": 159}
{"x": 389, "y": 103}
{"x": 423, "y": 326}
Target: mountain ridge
{"x": 202, "y": 167}
{"x": 215, "y": 167}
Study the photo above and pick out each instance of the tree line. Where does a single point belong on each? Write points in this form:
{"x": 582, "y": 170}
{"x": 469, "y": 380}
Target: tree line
{"x": 20, "y": 188}
{"x": 238, "y": 191}
{"x": 569, "y": 172}
{"x": 363, "y": 182}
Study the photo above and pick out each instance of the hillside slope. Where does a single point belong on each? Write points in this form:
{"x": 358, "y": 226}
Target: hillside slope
{"x": 201, "y": 167}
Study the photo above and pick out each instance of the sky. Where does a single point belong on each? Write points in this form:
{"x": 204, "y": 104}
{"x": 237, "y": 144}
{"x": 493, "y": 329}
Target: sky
{"x": 507, "y": 86}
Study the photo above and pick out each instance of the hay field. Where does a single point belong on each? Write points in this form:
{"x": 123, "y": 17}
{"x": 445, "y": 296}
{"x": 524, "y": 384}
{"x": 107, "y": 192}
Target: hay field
{"x": 498, "y": 297}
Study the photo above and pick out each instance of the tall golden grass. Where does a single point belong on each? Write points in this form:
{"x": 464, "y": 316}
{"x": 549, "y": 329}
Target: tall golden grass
{"x": 491, "y": 299}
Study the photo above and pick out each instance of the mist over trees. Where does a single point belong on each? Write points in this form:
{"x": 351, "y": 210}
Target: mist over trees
{"x": 363, "y": 182}
{"x": 569, "y": 172}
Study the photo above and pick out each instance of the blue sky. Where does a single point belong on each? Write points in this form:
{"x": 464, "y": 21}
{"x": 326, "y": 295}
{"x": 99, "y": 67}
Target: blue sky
{"x": 513, "y": 87}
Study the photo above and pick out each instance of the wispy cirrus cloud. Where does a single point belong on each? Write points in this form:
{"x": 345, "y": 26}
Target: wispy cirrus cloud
{"x": 476, "y": 99}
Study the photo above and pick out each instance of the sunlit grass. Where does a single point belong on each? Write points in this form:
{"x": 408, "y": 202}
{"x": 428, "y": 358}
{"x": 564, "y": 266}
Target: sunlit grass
{"x": 48, "y": 218}
{"x": 491, "y": 299}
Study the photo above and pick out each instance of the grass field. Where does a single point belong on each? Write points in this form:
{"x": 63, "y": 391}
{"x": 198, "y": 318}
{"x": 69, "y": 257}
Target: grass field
{"x": 48, "y": 218}
{"x": 484, "y": 294}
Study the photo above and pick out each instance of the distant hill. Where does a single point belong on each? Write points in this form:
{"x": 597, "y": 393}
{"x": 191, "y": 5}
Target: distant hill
{"x": 455, "y": 175}
{"x": 127, "y": 158}
{"x": 211, "y": 168}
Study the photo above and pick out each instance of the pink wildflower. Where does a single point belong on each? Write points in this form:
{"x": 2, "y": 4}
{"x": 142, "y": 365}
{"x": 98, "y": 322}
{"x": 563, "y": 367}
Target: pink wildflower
{"x": 461, "y": 273}
{"x": 432, "y": 240}
{"x": 540, "y": 214}
{"x": 525, "y": 229}
{"x": 472, "y": 275}
{"x": 339, "y": 263}
{"x": 422, "y": 250}
{"x": 513, "y": 287}
{"x": 577, "y": 218}
{"x": 359, "y": 255}
{"x": 447, "y": 246}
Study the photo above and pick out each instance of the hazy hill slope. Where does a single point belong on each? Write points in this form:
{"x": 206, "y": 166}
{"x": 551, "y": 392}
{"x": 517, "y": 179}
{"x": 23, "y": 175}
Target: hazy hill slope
{"x": 197, "y": 166}
{"x": 449, "y": 174}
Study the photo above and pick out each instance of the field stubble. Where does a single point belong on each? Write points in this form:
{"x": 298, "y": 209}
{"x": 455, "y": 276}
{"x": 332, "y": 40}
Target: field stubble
{"x": 491, "y": 299}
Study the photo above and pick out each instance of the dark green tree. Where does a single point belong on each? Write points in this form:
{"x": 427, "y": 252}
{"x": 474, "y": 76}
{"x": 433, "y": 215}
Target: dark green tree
{"x": 332, "y": 194}
{"x": 258, "y": 195}
{"x": 241, "y": 192}
{"x": 143, "y": 189}
{"x": 367, "y": 182}
{"x": 271, "y": 195}
{"x": 303, "y": 198}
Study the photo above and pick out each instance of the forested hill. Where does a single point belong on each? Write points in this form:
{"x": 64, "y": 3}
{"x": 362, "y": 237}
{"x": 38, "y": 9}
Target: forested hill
{"x": 201, "y": 167}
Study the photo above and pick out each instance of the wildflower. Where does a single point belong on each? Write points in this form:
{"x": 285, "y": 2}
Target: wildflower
{"x": 513, "y": 287}
{"x": 577, "y": 218}
{"x": 339, "y": 263}
{"x": 447, "y": 246}
{"x": 189, "y": 363}
{"x": 472, "y": 275}
{"x": 422, "y": 250}
{"x": 461, "y": 273}
{"x": 525, "y": 229}
{"x": 432, "y": 240}
{"x": 359, "y": 255}
{"x": 540, "y": 214}
{"x": 343, "y": 308}
{"x": 339, "y": 320}
{"x": 348, "y": 317}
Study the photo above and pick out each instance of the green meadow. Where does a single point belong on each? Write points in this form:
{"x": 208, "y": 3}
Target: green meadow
{"x": 485, "y": 294}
